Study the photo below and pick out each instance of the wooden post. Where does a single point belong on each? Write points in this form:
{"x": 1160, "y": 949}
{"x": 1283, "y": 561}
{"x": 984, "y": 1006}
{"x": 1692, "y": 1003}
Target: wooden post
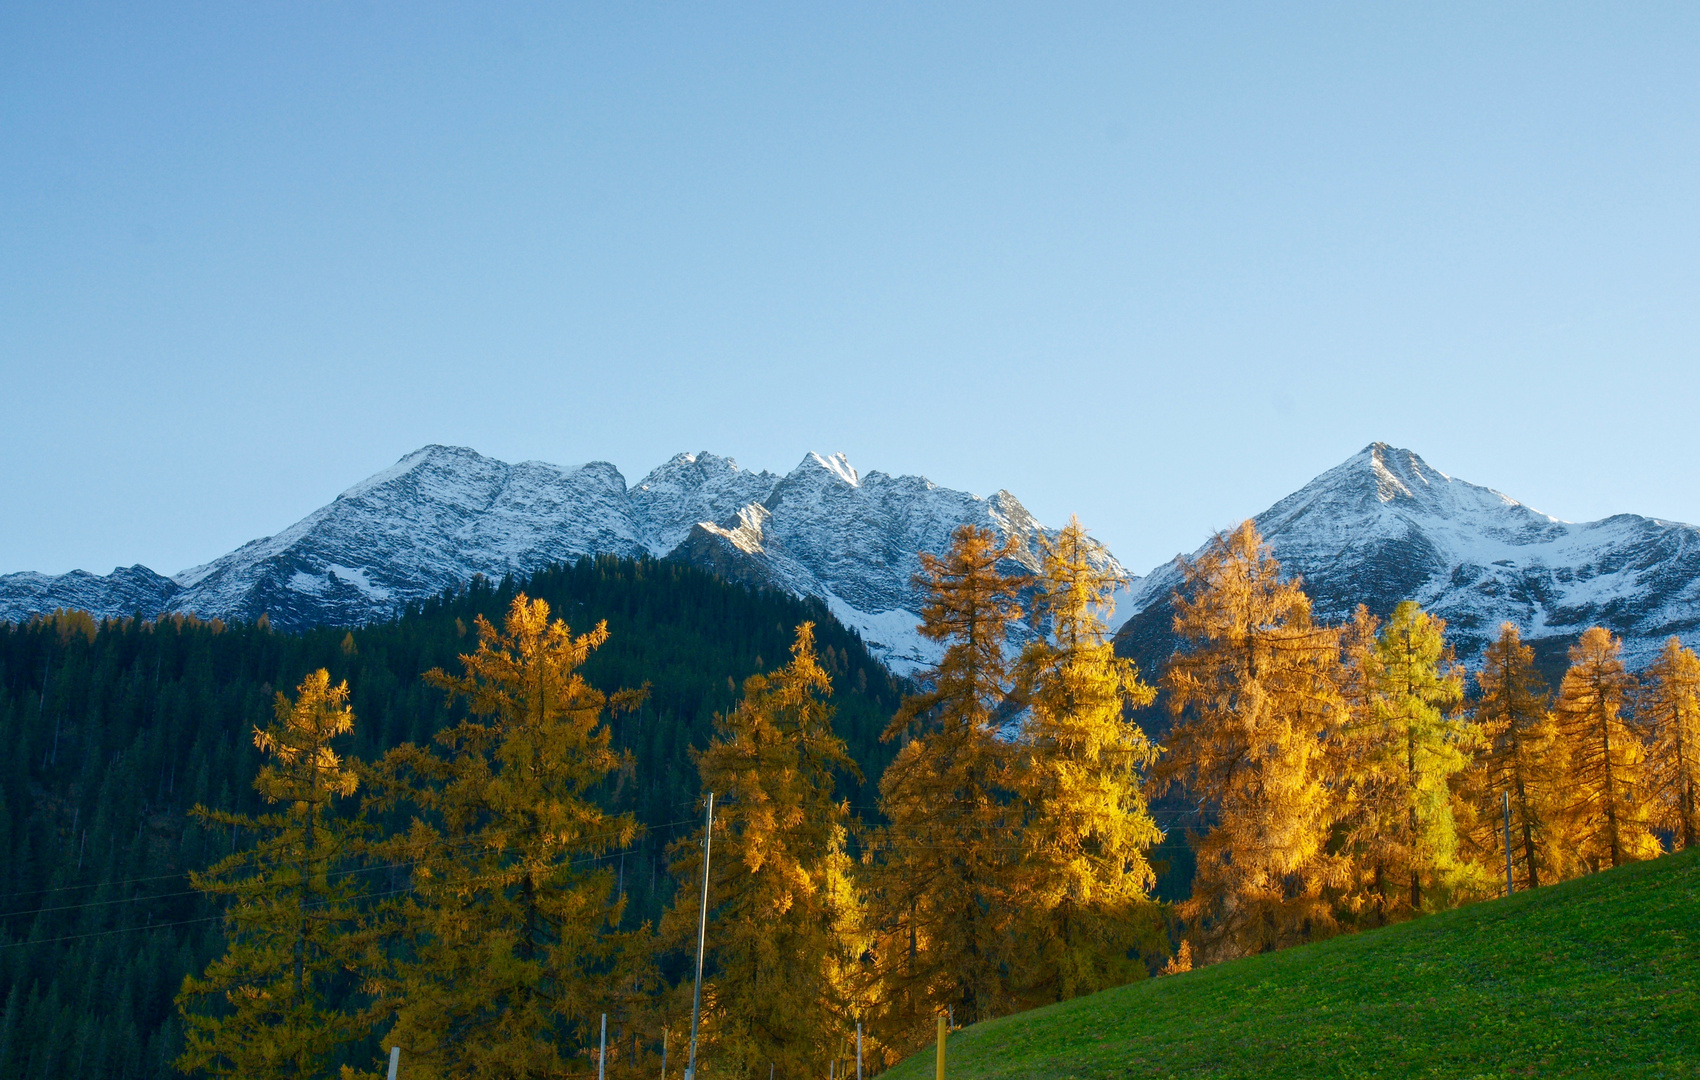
{"x": 944, "y": 1031}
{"x": 395, "y": 1061}
{"x": 702, "y": 935}
{"x": 1506, "y": 796}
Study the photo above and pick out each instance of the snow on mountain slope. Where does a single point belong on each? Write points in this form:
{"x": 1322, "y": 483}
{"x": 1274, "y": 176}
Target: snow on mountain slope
{"x": 1384, "y": 527}
{"x": 442, "y": 514}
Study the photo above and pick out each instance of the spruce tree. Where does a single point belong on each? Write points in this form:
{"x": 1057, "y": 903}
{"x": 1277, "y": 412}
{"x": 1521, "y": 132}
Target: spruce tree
{"x": 1082, "y": 764}
{"x": 1671, "y": 708}
{"x": 1252, "y": 691}
{"x": 784, "y": 933}
{"x": 1519, "y": 758}
{"x": 296, "y": 944}
{"x": 941, "y": 900}
{"x": 1606, "y": 806}
{"x": 509, "y": 953}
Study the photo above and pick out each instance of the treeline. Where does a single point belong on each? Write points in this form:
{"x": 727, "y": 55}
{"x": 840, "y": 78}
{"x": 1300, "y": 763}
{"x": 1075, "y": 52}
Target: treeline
{"x": 1349, "y": 779}
{"x": 113, "y": 731}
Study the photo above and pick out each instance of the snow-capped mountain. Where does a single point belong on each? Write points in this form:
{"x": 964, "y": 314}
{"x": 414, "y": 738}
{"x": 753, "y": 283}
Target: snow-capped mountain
{"x": 1385, "y": 527}
{"x": 443, "y": 514}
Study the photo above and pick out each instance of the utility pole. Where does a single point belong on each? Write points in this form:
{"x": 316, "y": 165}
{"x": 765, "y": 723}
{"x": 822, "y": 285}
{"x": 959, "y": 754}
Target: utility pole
{"x": 395, "y": 1061}
{"x": 1505, "y": 796}
{"x": 702, "y": 936}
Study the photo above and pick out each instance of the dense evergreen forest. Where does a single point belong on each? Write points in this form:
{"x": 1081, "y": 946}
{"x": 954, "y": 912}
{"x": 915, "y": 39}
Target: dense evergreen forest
{"x": 113, "y": 732}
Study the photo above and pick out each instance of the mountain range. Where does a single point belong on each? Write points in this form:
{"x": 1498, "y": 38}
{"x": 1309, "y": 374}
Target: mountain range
{"x": 1384, "y": 526}
{"x": 1381, "y": 527}
{"x": 443, "y": 514}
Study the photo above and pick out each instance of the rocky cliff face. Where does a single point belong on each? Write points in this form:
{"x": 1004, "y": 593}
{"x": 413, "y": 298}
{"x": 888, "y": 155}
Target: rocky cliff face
{"x": 1384, "y": 527}
{"x": 443, "y": 514}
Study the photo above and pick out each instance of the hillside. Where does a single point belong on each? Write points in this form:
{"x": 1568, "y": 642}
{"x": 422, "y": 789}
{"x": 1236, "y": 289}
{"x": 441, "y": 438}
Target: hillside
{"x": 112, "y": 735}
{"x": 1594, "y": 977}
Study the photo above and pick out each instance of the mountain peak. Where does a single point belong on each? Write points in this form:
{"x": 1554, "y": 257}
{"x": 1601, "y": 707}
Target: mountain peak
{"x": 837, "y": 464}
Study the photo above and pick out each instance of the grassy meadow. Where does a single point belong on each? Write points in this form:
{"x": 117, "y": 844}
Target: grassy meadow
{"x": 1598, "y": 976}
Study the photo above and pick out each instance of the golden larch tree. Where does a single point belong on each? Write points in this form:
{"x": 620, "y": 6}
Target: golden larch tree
{"x": 1081, "y": 770}
{"x": 1605, "y": 763}
{"x": 509, "y": 949}
{"x": 1420, "y": 743}
{"x": 296, "y": 940}
{"x": 1518, "y": 758}
{"x": 1253, "y": 689}
{"x": 942, "y": 867}
{"x": 1670, "y": 707}
{"x": 783, "y": 940}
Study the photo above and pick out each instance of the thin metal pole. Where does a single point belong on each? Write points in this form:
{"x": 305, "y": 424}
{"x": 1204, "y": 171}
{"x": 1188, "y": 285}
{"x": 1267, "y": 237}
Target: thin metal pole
{"x": 1506, "y": 796}
{"x": 602, "y": 1050}
{"x": 395, "y": 1061}
{"x": 858, "y": 1050}
{"x": 663, "y": 1054}
{"x": 702, "y": 936}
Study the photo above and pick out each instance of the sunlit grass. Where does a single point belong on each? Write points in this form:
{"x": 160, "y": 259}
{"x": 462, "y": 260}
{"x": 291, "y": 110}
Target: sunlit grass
{"x": 1594, "y": 977}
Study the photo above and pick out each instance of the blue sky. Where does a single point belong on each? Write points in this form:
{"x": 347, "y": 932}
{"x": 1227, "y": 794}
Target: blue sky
{"x": 1155, "y": 265}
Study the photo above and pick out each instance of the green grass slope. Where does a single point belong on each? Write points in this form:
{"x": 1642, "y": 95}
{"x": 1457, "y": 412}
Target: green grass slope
{"x": 1594, "y": 977}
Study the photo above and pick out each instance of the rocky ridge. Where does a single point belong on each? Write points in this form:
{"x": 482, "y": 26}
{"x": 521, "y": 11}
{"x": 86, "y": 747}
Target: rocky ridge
{"x": 443, "y": 514}
{"x": 1384, "y": 526}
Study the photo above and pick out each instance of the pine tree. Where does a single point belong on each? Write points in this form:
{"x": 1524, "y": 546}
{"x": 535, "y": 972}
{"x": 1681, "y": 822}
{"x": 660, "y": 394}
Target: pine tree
{"x": 510, "y": 954}
{"x": 783, "y": 938}
{"x": 1605, "y": 762}
{"x": 1252, "y": 692}
{"x": 1082, "y": 766}
{"x": 940, "y": 899}
{"x": 1671, "y": 708}
{"x": 1519, "y": 757}
{"x": 295, "y": 939}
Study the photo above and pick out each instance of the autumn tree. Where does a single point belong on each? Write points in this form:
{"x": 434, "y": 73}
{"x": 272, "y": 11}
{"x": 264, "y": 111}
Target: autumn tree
{"x": 783, "y": 937}
{"x": 296, "y": 941}
{"x": 1670, "y": 708}
{"x": 1605, "y": 782}
{"x": 940, "y": 900}
{"x": 1081, "y": 769}
{"x": 1417, "y": 745}
{"x": 1252, "y": 690}
{"x": 509, "y": 954}
{"x": 1518, "y": 757}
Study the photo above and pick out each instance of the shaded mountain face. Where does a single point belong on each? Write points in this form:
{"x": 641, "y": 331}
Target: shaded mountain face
{"x": 1385, "y": 527}
{"x": 444, "y": 514}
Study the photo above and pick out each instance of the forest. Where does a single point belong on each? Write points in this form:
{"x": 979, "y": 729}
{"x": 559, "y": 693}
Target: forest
{"x": 477, "y": 833}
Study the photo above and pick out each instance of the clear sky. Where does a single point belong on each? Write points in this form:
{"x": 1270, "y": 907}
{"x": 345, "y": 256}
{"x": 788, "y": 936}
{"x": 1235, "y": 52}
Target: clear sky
{"x": 1157, "y": 265}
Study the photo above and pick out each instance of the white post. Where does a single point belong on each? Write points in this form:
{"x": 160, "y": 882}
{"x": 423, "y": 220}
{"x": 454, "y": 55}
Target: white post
{"x": 858, "y": 1050}
{"x": 1507, "y": 797}
{"x": 702, "y": 936}
{"x": 602, "y": 1050}
{"x": 395, "y": 1061}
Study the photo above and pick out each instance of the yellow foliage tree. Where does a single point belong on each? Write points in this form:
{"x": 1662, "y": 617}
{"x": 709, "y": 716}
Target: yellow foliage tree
{"x": 510, "y": 952}
{"x": 1252, "y": 691}
{"x": 1519, "y": 757}
{"x": 1606, "y": 806}
{"x": 1082, "y": 768}
{"x": 940, "y": 902}
{"x": 295, "y": 937}
{"x": 783, "y": 937}
{"x": 1419, "y": 746}
{"x": 1671, "y": 708}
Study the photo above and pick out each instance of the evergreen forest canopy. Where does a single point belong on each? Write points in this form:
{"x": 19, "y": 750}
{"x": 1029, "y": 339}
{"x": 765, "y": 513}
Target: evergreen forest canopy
{"x": 480, "y": 883}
